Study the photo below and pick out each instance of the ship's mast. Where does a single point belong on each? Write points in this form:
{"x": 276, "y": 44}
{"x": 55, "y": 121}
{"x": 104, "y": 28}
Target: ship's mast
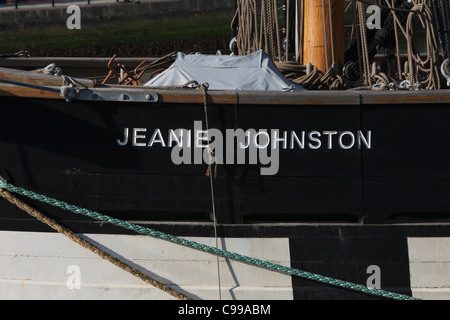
{"x": 320, "y": 33}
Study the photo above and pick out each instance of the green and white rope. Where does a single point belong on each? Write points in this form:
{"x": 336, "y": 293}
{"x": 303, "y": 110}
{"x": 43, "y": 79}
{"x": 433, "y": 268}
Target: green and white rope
{"x": 204, "y": 248}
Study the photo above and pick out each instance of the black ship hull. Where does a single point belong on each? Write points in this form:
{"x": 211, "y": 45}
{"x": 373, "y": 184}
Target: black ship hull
{"x": 362, "y": 163}
{"x": 356, "y": 175}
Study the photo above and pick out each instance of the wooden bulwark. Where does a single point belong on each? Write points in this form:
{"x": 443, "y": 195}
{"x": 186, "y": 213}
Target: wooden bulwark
{"x": 195, "y": 96}
{"x": 38, "y": 78}
{"x": 317, "y": 98}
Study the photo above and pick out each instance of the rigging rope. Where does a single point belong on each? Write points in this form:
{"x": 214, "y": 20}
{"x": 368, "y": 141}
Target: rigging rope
{"x": 209, "y": 173}
{"x": 398, "y": 16}
{"x": 423, "y": 70}
{"x": 441, "y": 10}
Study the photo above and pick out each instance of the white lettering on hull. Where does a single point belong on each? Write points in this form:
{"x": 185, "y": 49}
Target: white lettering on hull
{"x": 262, "y": 146}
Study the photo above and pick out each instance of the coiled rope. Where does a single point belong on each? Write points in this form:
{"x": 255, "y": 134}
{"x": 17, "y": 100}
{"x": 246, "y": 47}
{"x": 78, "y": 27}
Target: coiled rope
{"x": 423, "y": 71}
{"x": 201, "y": 247}
{"x": 418, "y": 16}
{"x": 430, "y": 65}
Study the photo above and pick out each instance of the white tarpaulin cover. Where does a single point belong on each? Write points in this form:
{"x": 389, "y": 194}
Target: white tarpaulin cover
{"x": 255, "y": 71}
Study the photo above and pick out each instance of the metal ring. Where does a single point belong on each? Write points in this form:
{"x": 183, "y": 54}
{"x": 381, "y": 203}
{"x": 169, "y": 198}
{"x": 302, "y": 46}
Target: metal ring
{"x": 405, "y": 85}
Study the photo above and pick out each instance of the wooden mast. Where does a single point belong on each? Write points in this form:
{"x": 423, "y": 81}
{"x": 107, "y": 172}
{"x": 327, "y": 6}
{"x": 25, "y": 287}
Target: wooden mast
{"x": 315, "y": 49}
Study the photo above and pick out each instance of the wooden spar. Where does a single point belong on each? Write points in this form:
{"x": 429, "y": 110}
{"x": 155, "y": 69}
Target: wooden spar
{"x": 39, "y": 78}
{"x": 315, "y": 49}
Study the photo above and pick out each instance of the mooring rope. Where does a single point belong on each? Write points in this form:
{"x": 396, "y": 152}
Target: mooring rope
{"x": 88, "y": 245}
{"x": 201, "y": 247}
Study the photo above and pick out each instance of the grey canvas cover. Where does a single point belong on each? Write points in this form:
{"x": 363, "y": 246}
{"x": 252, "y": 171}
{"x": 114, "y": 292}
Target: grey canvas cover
{"x": 255, "y": 71}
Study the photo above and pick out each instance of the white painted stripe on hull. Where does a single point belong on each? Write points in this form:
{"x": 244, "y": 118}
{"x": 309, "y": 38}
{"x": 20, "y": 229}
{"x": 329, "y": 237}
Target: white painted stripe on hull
{"x": 35, "y": 266}
{"x": 429, "y": 264}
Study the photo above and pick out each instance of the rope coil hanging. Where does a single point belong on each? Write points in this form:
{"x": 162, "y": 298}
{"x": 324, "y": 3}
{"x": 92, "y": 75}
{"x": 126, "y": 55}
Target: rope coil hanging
{"x": 411, "y": 18}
